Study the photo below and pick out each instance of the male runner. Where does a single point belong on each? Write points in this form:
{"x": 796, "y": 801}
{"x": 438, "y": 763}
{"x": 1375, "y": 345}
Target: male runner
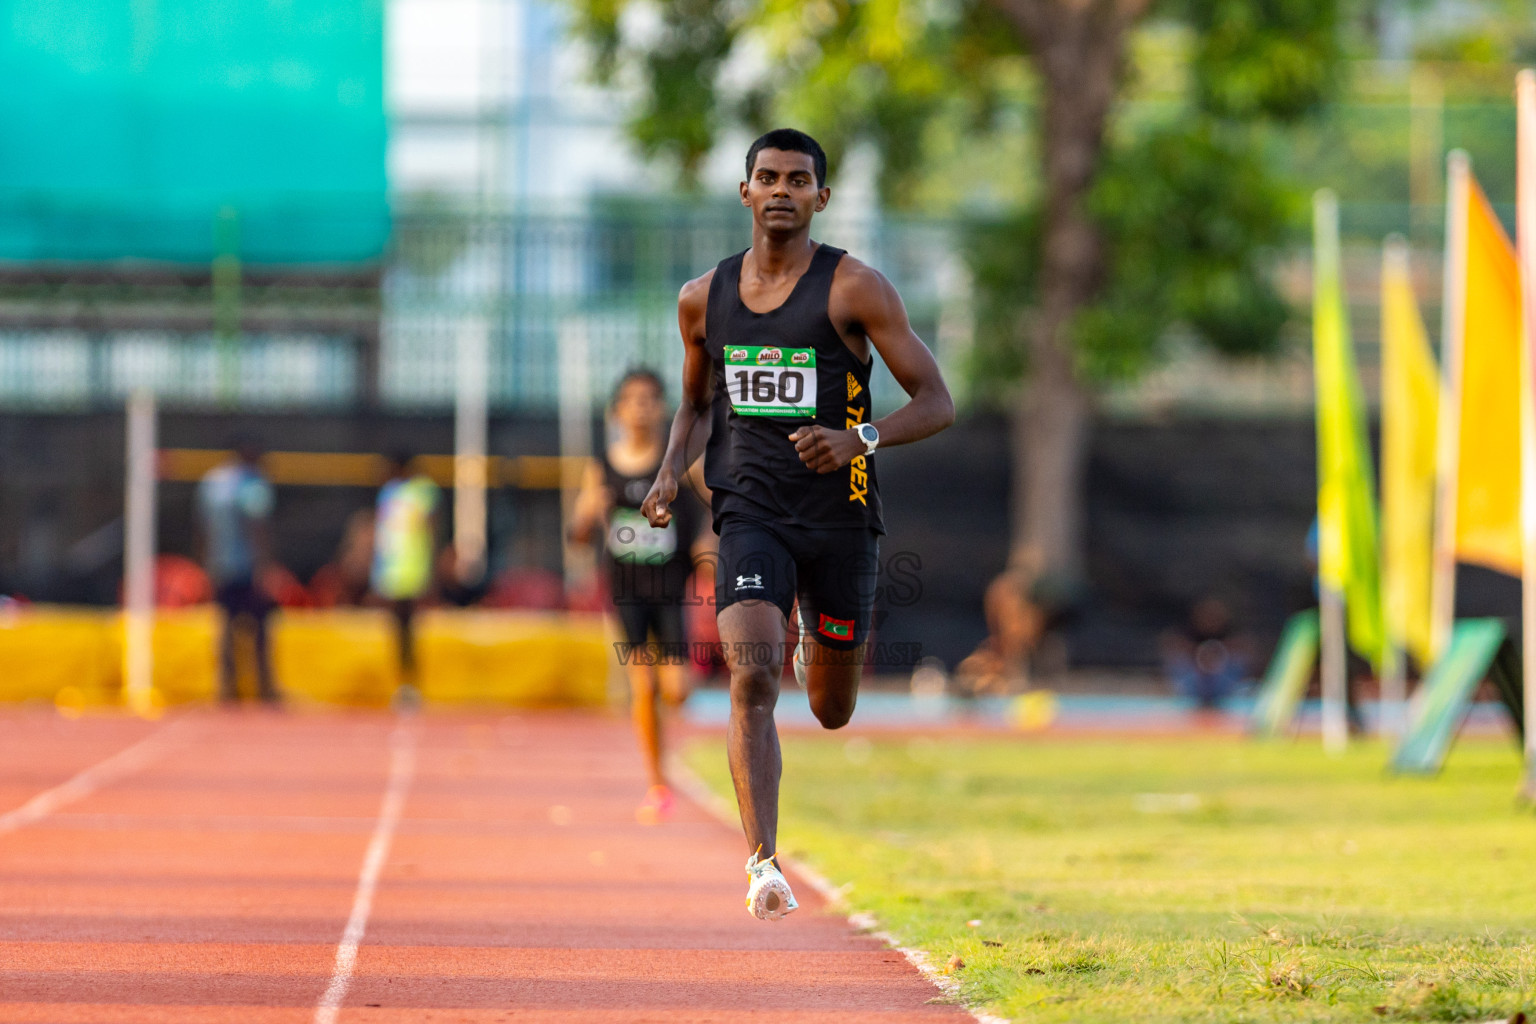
{"x": 777, "y": 355}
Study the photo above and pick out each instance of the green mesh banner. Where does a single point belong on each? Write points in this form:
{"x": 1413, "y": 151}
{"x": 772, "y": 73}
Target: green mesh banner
{"x": 176, "y": 129}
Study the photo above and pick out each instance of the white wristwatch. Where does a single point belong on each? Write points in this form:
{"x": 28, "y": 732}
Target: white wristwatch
{"x": 869, "y": 435}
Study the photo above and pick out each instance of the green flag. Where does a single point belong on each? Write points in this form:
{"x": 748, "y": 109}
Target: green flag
{"x": 1346, "y": 501}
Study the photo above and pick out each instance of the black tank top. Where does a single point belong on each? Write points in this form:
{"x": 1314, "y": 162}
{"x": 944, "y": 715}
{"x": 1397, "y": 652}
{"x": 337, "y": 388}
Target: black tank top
{"x": 647, "y": 564}
{"x": 774, "y": 372}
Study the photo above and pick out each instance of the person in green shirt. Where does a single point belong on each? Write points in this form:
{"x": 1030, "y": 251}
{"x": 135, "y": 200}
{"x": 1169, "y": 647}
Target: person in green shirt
{"x": 404, "y": 549}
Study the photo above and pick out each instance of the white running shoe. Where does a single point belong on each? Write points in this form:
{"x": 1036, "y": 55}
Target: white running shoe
{"x": 768, "y": 895}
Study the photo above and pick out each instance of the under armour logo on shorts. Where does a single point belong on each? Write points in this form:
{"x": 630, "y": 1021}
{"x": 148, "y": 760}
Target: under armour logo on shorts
{"x": 754, "y": 582}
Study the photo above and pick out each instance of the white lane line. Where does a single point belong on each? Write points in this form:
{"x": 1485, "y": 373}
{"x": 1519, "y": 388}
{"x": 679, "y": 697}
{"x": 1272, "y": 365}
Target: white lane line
{"x": 402, "y": 765}
{"x": 693, "y": 787}
{"x": 102, "y": 773}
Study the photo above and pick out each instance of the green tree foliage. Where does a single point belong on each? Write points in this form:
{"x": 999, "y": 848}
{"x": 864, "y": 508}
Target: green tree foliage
{"x": 1485, "y": 32}
{"x": 1264, "y": 58}
{"x": 1112, "y": 233}
{"x": 1191, "y": 214}
{"x": 1188, "y": 208}
{"x": 679, "y": 60}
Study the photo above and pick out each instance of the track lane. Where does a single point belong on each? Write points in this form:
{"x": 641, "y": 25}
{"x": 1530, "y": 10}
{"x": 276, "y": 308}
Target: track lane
{"x": 215, "y": 884}
{"x": 40, "y": 750}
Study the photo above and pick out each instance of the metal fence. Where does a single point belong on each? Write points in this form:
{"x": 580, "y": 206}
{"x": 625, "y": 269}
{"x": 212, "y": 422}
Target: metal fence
{"x": 533, "y": 277}
{"x": 387, "y": 337}
{"x": 615, "y": 280}
{"x": 70, "y": 369}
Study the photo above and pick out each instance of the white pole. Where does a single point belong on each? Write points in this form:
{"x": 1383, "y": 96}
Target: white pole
{"x": 1453, "y": 323}
{"x": 471, "y": 428}
{"x": 575, "y": 437}
{"x": 1393, "y": 714}
{"x": 1334, "y": 641}
{"x": 1525, "y": 217}
{"x": 139, "y": 556}
{"x": 1334, "y": 669}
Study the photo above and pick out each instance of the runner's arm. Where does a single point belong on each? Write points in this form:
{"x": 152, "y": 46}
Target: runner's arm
{"x": 867, "y": 303}
{"x": 698, "y": 393}
{"x": 696, "y": 481}
{"x": 591, "y": 504}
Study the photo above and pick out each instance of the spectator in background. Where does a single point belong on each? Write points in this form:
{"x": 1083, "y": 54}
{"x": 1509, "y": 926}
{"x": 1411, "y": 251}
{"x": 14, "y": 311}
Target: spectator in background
{"x": 1021, "y": 606}
{"x": 344, "y": 580}
{"x": 1207, "y": 660}
{"x": 234, "y": 509}
{"x": 404, "y": 552}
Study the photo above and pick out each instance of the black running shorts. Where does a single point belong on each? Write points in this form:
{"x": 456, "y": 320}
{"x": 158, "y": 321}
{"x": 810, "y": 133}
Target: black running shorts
{"x": 661, "y": 621}
{"x": 831, "y": 571}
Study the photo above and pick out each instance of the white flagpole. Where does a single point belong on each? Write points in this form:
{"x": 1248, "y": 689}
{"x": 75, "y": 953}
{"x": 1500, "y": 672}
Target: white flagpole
{"x": 1394, "y": 684}
{"x": 1334, "y": 652}
{"x": 1525, "y": 235}
{"x": 139, "y": 556}
{"x": 1334, "y": 670}
{"x": 1448, "y": 453}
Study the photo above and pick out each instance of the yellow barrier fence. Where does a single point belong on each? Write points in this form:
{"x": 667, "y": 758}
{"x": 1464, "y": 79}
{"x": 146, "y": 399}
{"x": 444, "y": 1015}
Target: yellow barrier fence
{"x": 342, "y": 656}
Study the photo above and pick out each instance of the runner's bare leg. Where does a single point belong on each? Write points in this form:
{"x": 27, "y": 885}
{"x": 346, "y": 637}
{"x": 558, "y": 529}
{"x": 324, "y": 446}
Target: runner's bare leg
{"x": 650, "y": 687}
{"x": 832, "y": 682}
{"x": 643, "y": 714}
{"x": 749, "y": 630}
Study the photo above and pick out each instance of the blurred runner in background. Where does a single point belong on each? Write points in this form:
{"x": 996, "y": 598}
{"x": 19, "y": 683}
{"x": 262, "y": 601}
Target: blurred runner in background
{"x": 648, "y": 567}
{"x": 404, "y": 551}
{"x": 234, "y": 505}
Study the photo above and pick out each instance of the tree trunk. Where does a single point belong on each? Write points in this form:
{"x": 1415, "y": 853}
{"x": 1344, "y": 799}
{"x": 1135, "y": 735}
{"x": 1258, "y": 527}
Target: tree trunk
{"x": 1049, "y": 429}
{"x": 1078, "y": 49}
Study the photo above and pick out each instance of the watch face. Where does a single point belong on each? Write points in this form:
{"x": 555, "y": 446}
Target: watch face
{"x": 868, "y": 434}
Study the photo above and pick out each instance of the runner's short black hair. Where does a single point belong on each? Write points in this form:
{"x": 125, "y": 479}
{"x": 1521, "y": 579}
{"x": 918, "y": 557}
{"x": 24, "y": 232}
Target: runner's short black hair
{"x": 246, "y": 445}
{"x": 790, "y": 141}
{"x": 635, "y": 373}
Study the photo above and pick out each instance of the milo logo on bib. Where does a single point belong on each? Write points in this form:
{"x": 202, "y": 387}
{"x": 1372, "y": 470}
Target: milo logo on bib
{"x": 631, "y": 538}
{"x": 777, "y": 381}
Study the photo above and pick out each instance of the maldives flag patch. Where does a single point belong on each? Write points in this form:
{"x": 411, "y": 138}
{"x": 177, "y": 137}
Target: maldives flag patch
{"x": 837, "y": 629}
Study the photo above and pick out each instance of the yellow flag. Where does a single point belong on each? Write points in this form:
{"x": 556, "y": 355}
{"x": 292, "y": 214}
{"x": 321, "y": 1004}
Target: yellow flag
{"x": 1346, "y": 498}
{"x": 1487, "y": 505}
{"x": 1410, "y": 400}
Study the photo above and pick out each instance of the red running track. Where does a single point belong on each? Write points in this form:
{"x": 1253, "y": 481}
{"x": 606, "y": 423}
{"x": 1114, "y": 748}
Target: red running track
{"x": 208, "y": 875}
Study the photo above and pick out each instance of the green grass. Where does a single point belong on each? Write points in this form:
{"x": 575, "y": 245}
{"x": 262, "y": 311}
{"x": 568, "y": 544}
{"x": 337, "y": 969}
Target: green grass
{"x": 1179, "y": 880}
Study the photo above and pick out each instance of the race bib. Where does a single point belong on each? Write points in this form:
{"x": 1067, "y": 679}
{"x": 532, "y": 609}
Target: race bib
{"x": 632, "y": 539}
{"x": 765, "y": 380}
